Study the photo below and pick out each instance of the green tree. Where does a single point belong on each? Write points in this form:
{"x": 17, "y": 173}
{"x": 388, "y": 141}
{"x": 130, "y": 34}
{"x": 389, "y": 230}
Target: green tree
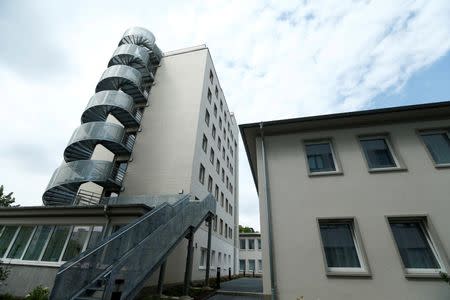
{"x": 6, "y": 200}
{"x": 246, "y": 229}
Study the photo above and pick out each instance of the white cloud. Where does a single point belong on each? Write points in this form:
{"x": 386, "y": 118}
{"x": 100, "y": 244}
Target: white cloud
{"x": 274, "y": 60}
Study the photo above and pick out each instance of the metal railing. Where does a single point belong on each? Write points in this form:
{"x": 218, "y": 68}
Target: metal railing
{"x": 85, "y": 197}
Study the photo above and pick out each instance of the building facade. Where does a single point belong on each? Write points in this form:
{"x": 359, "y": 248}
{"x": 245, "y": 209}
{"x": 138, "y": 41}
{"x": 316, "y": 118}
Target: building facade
{"x": 354, "y": 205}
{"x": 157, "y": 128}
{"x": 250, "y": 254}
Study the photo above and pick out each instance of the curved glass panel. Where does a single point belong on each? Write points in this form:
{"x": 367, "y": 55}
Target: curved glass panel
{"x": 104, "y": 131}
{"x": 147, "y": 38}
{"x": 136, "y": 52}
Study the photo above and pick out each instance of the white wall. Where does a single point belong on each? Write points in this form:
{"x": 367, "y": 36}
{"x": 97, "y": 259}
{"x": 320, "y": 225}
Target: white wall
{"x": 297, "y": 200}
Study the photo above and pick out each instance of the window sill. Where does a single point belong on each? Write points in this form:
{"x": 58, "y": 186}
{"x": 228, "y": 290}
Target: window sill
{"x": 358, "y": 274}
{"x": 442, "y": 166}
{"x": 31, "y": 263}
{"x": 385, "y": 170}
{"x": 318, "y": 174}
{"x": 424, "y": 275}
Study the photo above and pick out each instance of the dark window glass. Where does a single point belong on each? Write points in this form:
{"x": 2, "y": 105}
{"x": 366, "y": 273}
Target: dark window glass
{"x": 6, "y": 238}
{"x": 242, "y": 243}
{"x": 320, "y": 158}
{"x": 439, "y": 146}
{"x": 20, "y": 242}
{"x": 251, "y": 244}
{"x": 413, "y": 245}
{"x": 96, "y": 236}
{"x": 377, "y": 153}
{"x": 37, "y": 242}
{"x": 56, "y": 243}
{"x": 242, "y": 265}
{"x": 339, "y": 246}
{"x": 76, "y": 242}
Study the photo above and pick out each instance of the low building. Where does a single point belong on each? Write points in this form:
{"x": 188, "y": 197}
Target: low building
{"x": 250, "y": 253}
{"x": 354, "y": 205}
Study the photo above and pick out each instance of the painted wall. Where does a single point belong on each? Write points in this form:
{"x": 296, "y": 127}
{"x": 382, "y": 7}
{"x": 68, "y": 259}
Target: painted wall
{"x": 297, "y": 200}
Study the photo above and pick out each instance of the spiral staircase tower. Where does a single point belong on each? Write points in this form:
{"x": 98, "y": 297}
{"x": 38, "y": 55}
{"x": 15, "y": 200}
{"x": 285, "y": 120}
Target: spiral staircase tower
{"x": 122, "y": 92}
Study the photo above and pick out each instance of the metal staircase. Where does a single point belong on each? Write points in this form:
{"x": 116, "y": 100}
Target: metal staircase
{"x": 125, "y": 260}
{"x": 121, "y": 92}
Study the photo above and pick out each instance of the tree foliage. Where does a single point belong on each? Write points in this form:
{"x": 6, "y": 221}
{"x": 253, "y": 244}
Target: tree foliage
{"x": 6, "y": 200}
{"x": 246, "y": 229}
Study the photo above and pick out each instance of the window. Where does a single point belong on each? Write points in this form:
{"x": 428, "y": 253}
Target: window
{"x": 209, "y": 95}
{"x": 231, "y": 170}
{"x": 230, "y": 232}
{"x": 226, "y": 230}
{"x": 201, "y": 175}
{"x": 211, "y": 76}
{"x": 242, "y": 244}
{"x": 226, "y": 205}
{"x": 242, "y": 265}
{"x": 223, "y": 153}
{"x": 212, "y": 262}
{"x": 342, "y": 249}
{"x": 260, "y": 265}
{"x": 216, "y": 192}
{"x": 378, "y": 153}
{"x": 231, "y": 189}
{"x": 6, "y": 237}
{"x": 215, "y": 110}
{"x": 216, "y": 92}
{"x": 218, "y": 166}
{"x": 221, "y": 105}
{"x": 231, "y": 210}
{"x": 438, "y": 145}
{"x": 207, "y": 117}
{"x": 219, "y": 258}
{"x": 221, "y": 199}
{"x": 210, "y": 184}
{"x": 215, "y": 223}
{"x": 220, "y": 123}
{"x": 320, "y": 157}
{"x": 96, "y": 236}
{"x": 76, "y": 242}
{"x": 204, "y": 143}
{"x": 203, "y": 257}
{"x": 416, "y": 248}
{"x": 219, "y": 143}
{"x": 221, "y": 227}
{"x": 223, "y": 175}
{"x": 213, "y": 132}
{"x": 251, "y": 265}
{"x": 251, "y": 244}
{"x": 259, "y": 244}
{"x": 37, "y": 243}
{"x": 211, "y": 156}
{"x": 21, "y": 241}
{"x": 56, "y": 243}
{"x": 227, "y": 181}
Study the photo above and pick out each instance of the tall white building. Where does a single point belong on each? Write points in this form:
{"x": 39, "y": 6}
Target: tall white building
{"x": 156, "y": 155}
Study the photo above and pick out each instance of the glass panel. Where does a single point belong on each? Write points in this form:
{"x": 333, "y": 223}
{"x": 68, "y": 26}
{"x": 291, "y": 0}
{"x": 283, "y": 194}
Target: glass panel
{"x": 251, "y": 244}
{"x": 339, "y": 245}
{"x": 439, "y": 146}
{"x": 21, "y": 242}
{"x": 259, "y": 244}
{"x": 76, "y": 242}
{"x": 6, "y": 237}
{"x": 242, "y": 264}
{"x": 260, "y": 265}
{"x": 242, "y": 241}
{"x": 413, "y": 246}
{"x": 251, "y": 264}
{"x": 320, "y": 158}
{"x": 37, "y": 242}
{"x": 56, "y": 243}
{"x": 96, "y": 236}
{"x": 377, "y": 153}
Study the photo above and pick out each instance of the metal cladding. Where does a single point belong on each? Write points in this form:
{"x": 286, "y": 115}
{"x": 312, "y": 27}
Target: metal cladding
{"x": 121, "y": 92}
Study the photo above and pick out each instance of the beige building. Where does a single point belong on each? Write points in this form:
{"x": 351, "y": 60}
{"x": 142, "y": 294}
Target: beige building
{"x": 157, "y": 142}
{"x": 250, "y": 253}
{"x": 354, "y": 205}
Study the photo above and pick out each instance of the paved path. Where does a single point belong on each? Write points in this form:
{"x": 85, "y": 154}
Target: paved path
{"x": 230, "y": 290}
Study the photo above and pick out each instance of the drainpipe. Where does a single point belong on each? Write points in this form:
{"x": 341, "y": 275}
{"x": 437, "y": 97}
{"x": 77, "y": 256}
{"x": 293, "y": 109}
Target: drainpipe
{"x": 269, "y": 215}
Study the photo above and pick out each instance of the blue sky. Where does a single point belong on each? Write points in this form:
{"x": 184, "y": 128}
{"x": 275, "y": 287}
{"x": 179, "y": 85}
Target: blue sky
{"x": 274, "y": 60}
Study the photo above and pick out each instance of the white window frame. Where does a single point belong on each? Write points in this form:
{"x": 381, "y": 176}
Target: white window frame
{"x": 423, "y": 132}
{"x": 399, "y": 166}
{"x": 364, "y": 269}
{"x": 424, "y": 225}
{"x": 336, "y": 161}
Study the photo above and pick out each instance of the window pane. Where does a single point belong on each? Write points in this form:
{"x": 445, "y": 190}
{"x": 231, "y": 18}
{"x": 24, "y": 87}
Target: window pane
{"x": 339, "y": 246}
{"x": 413, "y": 246}
{"x": 259, "y": 244}
{"x": 21, "y": 242}
{"x": 251, "y": 264}
{"x": 96, "y": 236}
{"x": 242, "y": 265}
{"x": 320, "y": 158}
{"x": 242, "y": 241}
{"x": 251, "y": 244}
{"x": 6, "y": 237}
{"x": 439, "y": 146}
{"x": 377, "y": 153}
{"x": 76, "y": 242}
{"x": 37, "y": 242}
{"x": 56, "y": 243}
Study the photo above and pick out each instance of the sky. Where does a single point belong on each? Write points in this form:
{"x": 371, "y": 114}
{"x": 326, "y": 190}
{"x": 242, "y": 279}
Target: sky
{"x": 274, "y": 60}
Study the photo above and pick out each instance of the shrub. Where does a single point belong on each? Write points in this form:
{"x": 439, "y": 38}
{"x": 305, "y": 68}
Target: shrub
{"x": 38, "y": 293}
